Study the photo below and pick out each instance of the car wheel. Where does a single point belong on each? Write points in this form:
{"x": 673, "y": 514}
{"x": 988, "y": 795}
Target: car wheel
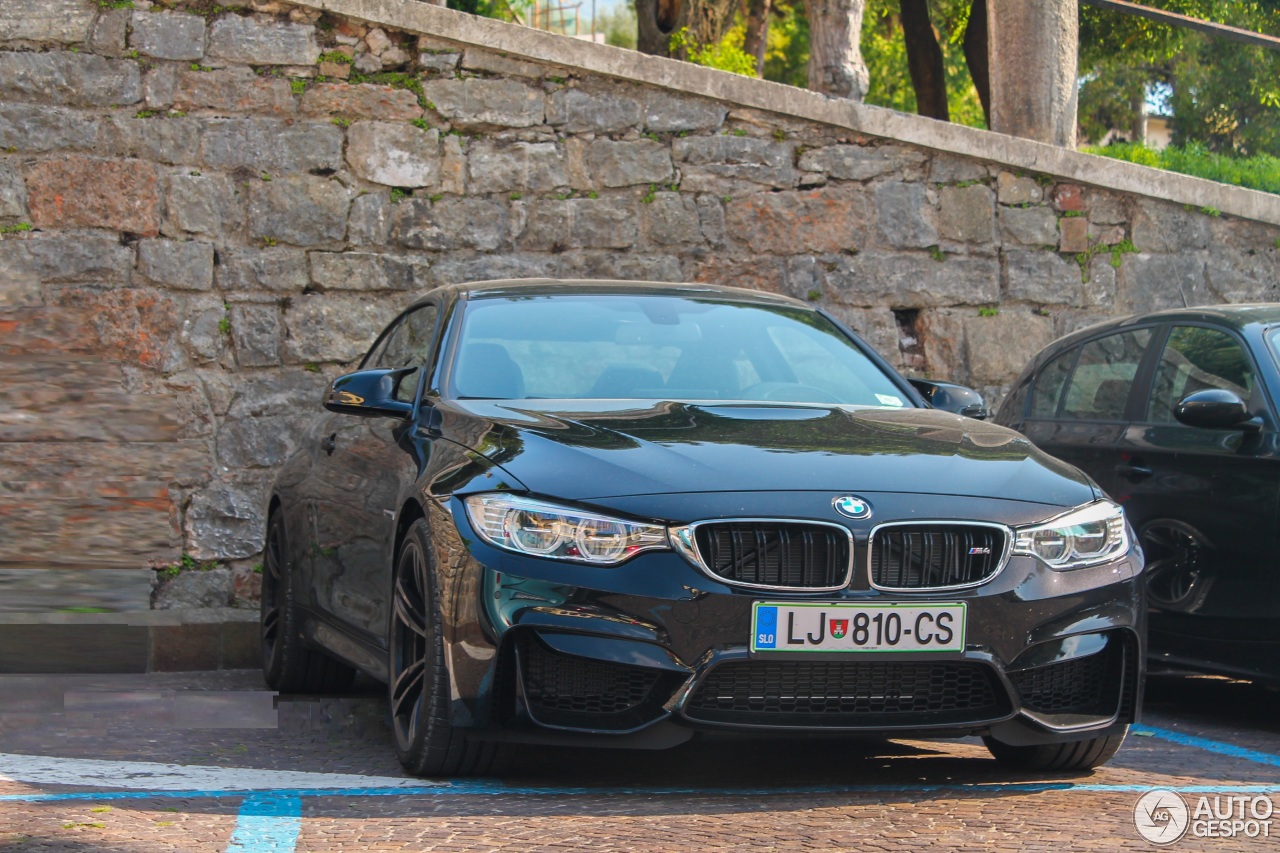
{"x": 1173, "y": 550}
{"x": 287, "y": 664}
{"x": 426, "y": 741}
{"x": 1073, "y": 757}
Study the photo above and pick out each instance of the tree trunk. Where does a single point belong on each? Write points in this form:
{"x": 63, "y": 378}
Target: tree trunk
{"x": 656, "y": 20}
{"x": 976, "y": 55}
{"x": 1033, "y": 69}
{"x": 757, "y": 36}
{"x": 924, "y": 60}
{"x": 835, "y": 56}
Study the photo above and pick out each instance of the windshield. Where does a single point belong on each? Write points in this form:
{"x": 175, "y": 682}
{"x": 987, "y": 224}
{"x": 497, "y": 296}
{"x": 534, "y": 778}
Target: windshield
{"x": 628, "y": 346}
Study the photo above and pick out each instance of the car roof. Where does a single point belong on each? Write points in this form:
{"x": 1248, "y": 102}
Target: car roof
{"x": 1237, "y": 317}
{"x": 497, "y": 288}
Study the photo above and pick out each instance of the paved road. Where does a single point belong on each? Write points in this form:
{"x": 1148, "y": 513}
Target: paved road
{"x": 204, "y": 761}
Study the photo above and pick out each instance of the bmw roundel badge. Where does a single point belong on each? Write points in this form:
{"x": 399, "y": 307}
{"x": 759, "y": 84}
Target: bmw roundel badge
{"x": 852, "y": 506}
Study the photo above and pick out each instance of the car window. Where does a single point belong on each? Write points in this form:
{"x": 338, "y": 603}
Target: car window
{"x": 408, "y": 345}
{"x": 1049, "y": 384}
{"x": 1197, "y": 358}
{"x": 1099, "y": 387}
{"x": 1013, "y": 409}
{"x": 632, "y": 346}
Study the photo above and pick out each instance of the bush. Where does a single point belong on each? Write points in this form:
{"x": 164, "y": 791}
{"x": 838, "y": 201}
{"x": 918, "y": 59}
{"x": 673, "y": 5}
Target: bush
{"x": 1260, "y": 172}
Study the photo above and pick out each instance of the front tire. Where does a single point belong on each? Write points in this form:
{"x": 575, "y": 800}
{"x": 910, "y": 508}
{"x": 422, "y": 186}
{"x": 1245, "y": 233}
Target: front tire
{"x": 1073, "y": 757}
{"x": 427, "y": 743}
{"x": 288, "y": 665}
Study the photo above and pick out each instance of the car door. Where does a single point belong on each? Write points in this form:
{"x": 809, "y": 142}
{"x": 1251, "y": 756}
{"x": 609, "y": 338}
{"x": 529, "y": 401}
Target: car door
{"x": 366, "y": 465}
{"x": 1080, "y": 402}
{"x": 1204, "y": 503}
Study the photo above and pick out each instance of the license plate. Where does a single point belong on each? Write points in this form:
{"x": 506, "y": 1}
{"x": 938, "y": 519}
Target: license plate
{"x": 828, "y": 627}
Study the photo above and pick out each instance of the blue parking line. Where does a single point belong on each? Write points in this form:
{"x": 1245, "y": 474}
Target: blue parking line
{"x": 1207, "y": 745}
{"x": 267, "y": 823}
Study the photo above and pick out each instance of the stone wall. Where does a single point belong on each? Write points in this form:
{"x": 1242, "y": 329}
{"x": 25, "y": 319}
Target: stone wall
{"x": 208, "y": 212}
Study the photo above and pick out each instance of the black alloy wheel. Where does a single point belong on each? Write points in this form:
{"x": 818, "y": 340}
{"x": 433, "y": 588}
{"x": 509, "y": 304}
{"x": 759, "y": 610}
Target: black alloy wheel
{"x": 418, "y": 684}
{"x": 287, "y": 664}
{"x": 1174, "y": 555}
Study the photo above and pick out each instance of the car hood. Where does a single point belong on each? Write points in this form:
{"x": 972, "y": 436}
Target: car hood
{"x": 588, "y": 450}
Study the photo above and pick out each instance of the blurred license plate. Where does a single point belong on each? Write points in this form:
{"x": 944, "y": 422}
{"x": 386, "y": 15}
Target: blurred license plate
{"x": 827, "y": 627}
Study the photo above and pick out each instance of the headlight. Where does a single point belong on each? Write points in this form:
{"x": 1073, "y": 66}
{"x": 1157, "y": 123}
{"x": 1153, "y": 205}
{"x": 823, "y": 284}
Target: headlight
{"x": 1093, "y": 533}
{"x": 541, "y": 529}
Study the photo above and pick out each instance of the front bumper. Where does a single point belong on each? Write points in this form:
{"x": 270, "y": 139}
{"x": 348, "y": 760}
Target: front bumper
{"x": 541, "y": 650}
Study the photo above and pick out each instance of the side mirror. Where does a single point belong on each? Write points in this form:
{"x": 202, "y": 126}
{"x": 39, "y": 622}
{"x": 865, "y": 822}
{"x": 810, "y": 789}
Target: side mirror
{"x": 1215, "y": 408}
{"x": 952, "y": 398}
{"x": 370, "y": 393}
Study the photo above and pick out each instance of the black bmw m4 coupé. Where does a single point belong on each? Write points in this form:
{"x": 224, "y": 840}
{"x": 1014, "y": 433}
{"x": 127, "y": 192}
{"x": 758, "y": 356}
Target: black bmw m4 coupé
{"x": 621, "y": 514}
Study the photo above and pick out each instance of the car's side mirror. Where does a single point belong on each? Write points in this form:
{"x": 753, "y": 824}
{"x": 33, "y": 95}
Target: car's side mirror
{"x": 952, "y": 398}
{"x": 1215, "y": 408}
{"x": 370, "y": 393}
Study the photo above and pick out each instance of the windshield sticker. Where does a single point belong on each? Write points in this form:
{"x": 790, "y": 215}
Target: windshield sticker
{"x": 889, "y": 400}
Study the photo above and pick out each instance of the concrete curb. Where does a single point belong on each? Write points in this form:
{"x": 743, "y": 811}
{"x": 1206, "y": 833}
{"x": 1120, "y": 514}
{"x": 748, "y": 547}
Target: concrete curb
{"x": 736, "y": 90}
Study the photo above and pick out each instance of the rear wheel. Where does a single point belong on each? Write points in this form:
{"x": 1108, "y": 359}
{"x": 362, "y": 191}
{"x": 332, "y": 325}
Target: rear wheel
{"x": 1072, "y": 757}
{"x": 287, "y": 664}
{"x": 427, "y": 743}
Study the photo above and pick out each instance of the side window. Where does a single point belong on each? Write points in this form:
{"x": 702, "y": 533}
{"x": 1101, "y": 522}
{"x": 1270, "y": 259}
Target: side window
{"x": 1099, "y": 388}
{"x": 1014, "y": 407}
{"x": 1196, "y": 359}
{"x": 1048, "y": 385}
{"x": 409, "y": 345}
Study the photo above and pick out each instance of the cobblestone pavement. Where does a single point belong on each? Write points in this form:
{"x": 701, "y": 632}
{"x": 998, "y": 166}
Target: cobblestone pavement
{"x": 1200, "y": 737}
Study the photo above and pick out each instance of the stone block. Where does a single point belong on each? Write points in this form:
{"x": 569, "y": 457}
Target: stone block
{"x": 70, "y": 79}
{"x": 182, "y": 265}
{"x": 66, "y": 259}
{"x": 261, "y": 442}
{"x": 1043, "y": 278}
{"x": 264, "y": 394}
{"x": 396, "y": 155}
{"x": 335, "y": 328}
{"x": 967, "y": 214}
{"x": 83, "y": 192}
{"x": 913, "y": 280}
{"x": 876, "y": 326}
{"x": 232, "y": 90}
{"x": 164, "y": 140}
{"x": 827, "y": 220}
{"x": 450, "y": 223}
{"x": 626, "y": 164}
{"x": 708, "y": 161}
{"x": 451, "y": 269}
{"x": 368, "y": 271}
{"x": 575, "y": 110}
{"x": 1161, "y": 226}
{"x": 439, "y": 63}
{"x": 159, "y": 86}
{"x": 1030, "y": 226}
{"x": 275, "y": 146}
{"x": 189, "y": 590}
{"x": 1013, "y": 189}
{"x": 166, "y": 35}
{"x": 1237, "y": 276}
{"x": 1106, "y": 208}
{"x": 1000, "y": 346}
{"x": 202, "y": 337}
{"x": 33, "y": 129}
{"x": 668, "y": 112}
{"x": 301, "y": 210}
{"x": 622, "y": 266}
{"x": 525, "y": 166}
{"x": 1153, "y": 282}
{"x": 13, "y": 194}
{"x": 369, "y": 223}
{"x": 255, "y": 334}
{"x": 110, "y": 32}
{"x": 481, "y": 104}
{"x": 1068, "y": 197}
{"x": 61, "y": 21}
{"x": 860, "y": 162}
{"x": 134, "y": 325}
{"x": 711, "y": 220}
{"x": 1073, "y": 234}
{"x": 360, "y": 101}
{"x": 226, "y": 521}
{"x": 578, "y": 223}
{"x": 209, "y": 205}
{"x": 671, "y": 219}
{"x": 250, "y": 41}
{"x": 900, "y": 216}
{"x": 488, "y": 62}
{"x": 278, "y": 270}
{"x": 952, "y": 169}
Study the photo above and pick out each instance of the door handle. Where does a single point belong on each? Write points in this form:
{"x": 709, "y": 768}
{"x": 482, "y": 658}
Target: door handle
{"x": 1134, "y": 472}
{"x": 328, "y": 443}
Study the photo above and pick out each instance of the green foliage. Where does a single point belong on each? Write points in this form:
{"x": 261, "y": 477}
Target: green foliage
{"x": 420, "y": 123}
{"x": 115, "y": 4}
{"x": 298, "y": 85}
{"x": 937, "y": 254}
{"x": 311, "y": 367}
{"x": 340, "y": 121}
{"x": 15, "y": 228}
{"x": 814, "y": 295}
{"x": 724, "y": 54}
{"x": 648, "y": 197}
{"x": 618, "y": 25}
{"x": 196, "y": 66}
{"x": 516, "y": 196}
{"x": 146, "y": 114}
{"x": 335, "y": 56}
{"x": 186, "y": 563}
{"x": 1259, "y": 172}
{"x": 435, "y": 198}
{"x": 398, "y": 195}
{"x": 988, "y": 311}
